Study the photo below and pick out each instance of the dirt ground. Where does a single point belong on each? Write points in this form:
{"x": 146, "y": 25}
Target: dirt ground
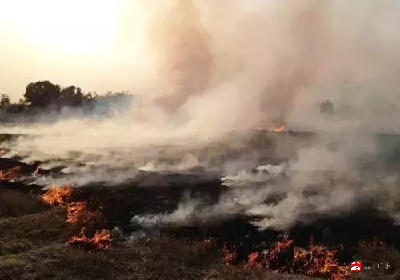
{"x": 34, "y": 235}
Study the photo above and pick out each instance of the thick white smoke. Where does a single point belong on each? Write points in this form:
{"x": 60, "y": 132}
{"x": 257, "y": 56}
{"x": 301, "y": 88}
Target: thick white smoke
{"x": 223, "y": 65}
{"x": 321, "y": 181}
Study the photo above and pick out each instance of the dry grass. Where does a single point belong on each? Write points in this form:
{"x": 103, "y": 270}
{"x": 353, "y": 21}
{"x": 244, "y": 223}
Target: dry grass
{"x": 14, "y": 203}
{"x": 376, "y": 255}
{"x": 32, "y": 246}
{"x": 160, "y": 258}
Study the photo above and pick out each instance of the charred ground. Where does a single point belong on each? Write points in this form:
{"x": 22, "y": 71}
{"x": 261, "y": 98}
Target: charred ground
{"x": 33, "y": 234}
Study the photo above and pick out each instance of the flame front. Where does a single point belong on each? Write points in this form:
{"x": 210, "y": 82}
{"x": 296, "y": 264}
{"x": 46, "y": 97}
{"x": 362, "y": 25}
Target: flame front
{"x": 280, "y": 128}
{"x": 319, "y": 261}
{"x": 60, "y": 195}
{"x": 284, "y": 257}
{"x": 229, "y": 255}
{"x": 11, "y": 174}
{"x": 78, "y": 213}
{"x": 100, "y": 241}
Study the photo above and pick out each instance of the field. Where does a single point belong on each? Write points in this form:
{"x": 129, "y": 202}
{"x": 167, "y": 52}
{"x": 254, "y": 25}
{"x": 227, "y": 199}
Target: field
{"x": 87, "y": 233}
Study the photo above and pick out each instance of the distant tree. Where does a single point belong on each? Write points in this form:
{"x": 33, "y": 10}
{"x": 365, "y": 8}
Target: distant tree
{"x": 88, "y": 96}
{"x": 112, "y": 103}
{"x": 15, "y": 108}
{"x": 327, "y": 107}
{"x": 42, "y": 94}
{"x": 4, "y": 101}
{"x": 71, "y": 96}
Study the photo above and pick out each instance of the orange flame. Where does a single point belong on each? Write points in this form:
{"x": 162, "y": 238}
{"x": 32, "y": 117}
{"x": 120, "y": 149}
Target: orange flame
{"x": 255, "y": 261}
{"x": 11, "y": 174}
{"x": 319, "y": 261}
{"x": 313, "y": 261}
{"x": 100, "y": 241}
{"x": 280, "y": 128}
{"x": 77, "y": 211}
{"x": 58, "y": 195}
{"x": 229, "y": 255}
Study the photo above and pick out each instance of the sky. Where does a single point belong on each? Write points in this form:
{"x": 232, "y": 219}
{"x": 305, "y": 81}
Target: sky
{"x": 94, "y": 44}
{"x": 99, "y": 45}
{"x": 102, "y": 45}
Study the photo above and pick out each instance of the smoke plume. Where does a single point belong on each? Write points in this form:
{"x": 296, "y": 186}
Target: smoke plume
{"x": 223, "y": 65}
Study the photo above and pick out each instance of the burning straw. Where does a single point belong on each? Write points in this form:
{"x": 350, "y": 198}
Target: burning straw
{"x": 11, "y": 174}
{"x": 100, "y": 241}
{"x": 78, "y": 213}
{"x": 316, "y": 260}
{"x": 58, "y": 195}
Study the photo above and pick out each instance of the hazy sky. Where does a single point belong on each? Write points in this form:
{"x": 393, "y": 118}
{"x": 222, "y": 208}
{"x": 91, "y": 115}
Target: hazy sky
{"x": 94, "y": 44}
{"x": 98, "y": 45}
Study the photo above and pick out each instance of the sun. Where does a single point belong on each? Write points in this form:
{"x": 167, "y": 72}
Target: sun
{"x": 66, "y": 26}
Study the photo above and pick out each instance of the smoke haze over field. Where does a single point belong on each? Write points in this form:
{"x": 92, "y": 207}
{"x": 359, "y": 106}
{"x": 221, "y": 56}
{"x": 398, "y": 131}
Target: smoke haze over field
{"x": 242, "y": 64}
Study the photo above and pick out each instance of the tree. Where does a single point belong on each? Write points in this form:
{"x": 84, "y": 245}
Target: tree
{"x": 4, "y": 101}
{"x": 89, "y": 96}
{"x": 42, "y": 94}
{"x": 71, "y": 96}
{"x": 14, "y": 109}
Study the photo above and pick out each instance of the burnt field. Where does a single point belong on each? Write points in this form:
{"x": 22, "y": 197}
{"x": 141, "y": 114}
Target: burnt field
{"x": 69, "y": 232}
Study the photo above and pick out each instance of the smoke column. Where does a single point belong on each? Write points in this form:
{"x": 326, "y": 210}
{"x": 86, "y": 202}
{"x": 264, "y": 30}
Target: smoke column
{"x": 222, "y": 65}
{"x": 183, "y": 47}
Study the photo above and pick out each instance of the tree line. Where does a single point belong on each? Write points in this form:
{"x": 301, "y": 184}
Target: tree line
{"x": 44, "y": 96}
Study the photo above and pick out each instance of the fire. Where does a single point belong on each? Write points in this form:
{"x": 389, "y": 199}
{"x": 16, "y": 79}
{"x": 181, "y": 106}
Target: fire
{"x": 256, "y": 261}
{"x": 100, "y": 241}
{"x": 11, "y": 174}
{"x": 78, "y": 212}
{"x": 316, "y": 260}
{"x": 280, "y": 128}
{"x": 273, "y": 258}
{"x": 229, "y": 255}
{"x": 319, "y": 261}
{"x": 58, "y": 195}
